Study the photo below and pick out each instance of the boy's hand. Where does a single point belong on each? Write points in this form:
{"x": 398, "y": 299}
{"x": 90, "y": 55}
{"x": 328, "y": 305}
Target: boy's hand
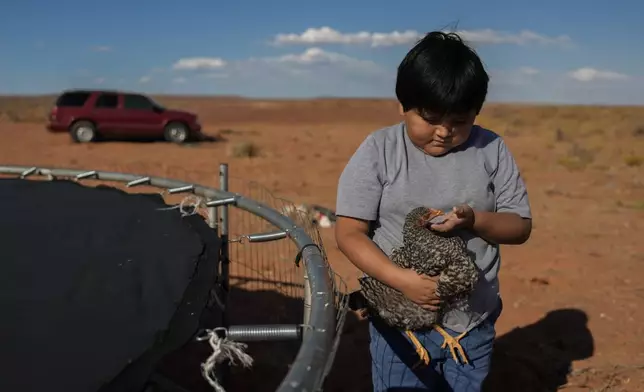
{"x": 420, "y": 289}
{"x": 461, "y": 217}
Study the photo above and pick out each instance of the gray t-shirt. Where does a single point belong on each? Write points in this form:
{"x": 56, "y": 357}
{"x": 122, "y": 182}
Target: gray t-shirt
{"x": 388, "y": 176}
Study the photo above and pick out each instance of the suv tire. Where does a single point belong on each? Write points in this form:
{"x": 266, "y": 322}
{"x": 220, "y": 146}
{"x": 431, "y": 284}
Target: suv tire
{"x": 176, "y": 132}
{"x": 83, "y": 132}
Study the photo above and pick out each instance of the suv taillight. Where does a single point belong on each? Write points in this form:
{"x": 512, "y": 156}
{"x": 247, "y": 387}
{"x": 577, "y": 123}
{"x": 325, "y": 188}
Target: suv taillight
{"x": 53, "y": 113}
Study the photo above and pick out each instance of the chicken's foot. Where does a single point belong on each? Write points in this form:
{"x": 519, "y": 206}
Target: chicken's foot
{"x": 420, "y": 350}
{"x": 453, "y": 344}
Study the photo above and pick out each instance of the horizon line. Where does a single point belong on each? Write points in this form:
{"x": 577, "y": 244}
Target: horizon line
{"x": 317, "y": 98}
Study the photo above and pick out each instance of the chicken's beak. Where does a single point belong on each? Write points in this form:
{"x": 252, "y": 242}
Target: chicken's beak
{"x": 429, "y": 215}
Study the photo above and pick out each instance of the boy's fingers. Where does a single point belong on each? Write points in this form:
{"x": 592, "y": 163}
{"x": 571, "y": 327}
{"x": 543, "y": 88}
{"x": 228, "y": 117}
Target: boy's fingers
{"x": 446, "y": 226}
{"x": 432, "y": 278}
{"x": 459, "y": 210}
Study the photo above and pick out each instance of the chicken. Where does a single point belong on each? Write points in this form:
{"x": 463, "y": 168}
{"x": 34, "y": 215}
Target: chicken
{"x": 428, "y": 253}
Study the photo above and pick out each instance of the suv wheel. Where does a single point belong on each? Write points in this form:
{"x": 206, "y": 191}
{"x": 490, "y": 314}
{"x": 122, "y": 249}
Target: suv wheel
{"x": 176, "y": 132}
{"x": 83, "y": 132}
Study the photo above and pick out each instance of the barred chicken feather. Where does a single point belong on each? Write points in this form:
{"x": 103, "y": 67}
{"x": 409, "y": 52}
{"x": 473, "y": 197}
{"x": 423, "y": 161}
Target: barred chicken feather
{"x": 428, "y": 253}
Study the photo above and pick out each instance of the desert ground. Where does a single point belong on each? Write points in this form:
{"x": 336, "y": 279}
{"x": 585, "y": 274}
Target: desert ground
{"x": 573, "y": 295}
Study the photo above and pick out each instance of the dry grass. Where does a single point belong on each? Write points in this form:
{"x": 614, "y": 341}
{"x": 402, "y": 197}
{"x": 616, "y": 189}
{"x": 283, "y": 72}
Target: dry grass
{"x": 634, "y": 160}
{"x": 25, "y": 109}
{"x": 635, "y": 205}
{"x": 638, "y": 132}
{"x": 244, "y": 150}
{"x": 578, "y": 158}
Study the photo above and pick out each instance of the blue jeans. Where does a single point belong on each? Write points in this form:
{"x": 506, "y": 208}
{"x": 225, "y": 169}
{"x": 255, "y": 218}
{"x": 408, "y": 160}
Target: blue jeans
{"x": 393, "y": 357}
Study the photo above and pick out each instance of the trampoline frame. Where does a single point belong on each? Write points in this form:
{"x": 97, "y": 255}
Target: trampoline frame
{"x": 322, "y": 318}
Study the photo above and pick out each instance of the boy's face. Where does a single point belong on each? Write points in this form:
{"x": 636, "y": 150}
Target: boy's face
{"x": 437, "y": 136}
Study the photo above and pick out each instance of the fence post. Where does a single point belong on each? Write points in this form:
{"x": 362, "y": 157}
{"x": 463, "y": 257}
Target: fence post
{"x": 224, "y": 258}
{"x": 223, "y": 229}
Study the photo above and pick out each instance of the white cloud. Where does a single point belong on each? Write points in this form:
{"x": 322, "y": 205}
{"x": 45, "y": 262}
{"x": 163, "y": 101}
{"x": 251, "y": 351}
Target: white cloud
{"x": 101, "y": 48}
{"x": 215, "y": 75}
{"x": 311, "y": 71}
{"x": 561, "y": 87}
{"x": 99, "y": 80}
{"x": 199, "y": 63}
{"x": 317, "y": 56}
{"x": 529, "y": 71}
{"x": 588, "y": 74}
{"x": 145, "y": 79}
{"x": 522, "y": 76}
{"x": 524, "y": 37}
{"x": 327, "y": 35}
{"x": 311, "y": 57}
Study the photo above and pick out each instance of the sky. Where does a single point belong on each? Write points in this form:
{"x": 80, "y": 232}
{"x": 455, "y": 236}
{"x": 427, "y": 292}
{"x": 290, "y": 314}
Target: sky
{"x": 572, "y": 51}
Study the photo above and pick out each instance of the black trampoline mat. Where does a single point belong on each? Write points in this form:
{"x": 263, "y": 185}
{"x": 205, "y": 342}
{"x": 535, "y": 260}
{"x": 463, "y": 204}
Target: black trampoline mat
{"x": 91, "y": 277}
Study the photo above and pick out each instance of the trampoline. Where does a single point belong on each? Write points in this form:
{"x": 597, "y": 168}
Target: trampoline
{"x": 101, "y": 285}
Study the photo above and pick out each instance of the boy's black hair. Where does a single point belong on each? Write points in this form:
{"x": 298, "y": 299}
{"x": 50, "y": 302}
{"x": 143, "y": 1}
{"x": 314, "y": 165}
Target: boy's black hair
{"x": 442, "y": 75}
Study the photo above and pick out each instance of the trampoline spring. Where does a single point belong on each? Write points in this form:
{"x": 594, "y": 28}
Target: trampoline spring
{"x": 140, "y": 181}
{"x": 262, "y": 333}
{"x": 221, "y": 202}
{"x": 181, "y": 189}
{"x": 88, "y": 174}
{"x": 28, "y": 172}
{"x": 265, "y": 237}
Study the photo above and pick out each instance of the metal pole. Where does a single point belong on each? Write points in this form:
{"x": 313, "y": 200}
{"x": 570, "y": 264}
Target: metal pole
{"x": 224, "y": 226}
{"x": 224, "y": 369}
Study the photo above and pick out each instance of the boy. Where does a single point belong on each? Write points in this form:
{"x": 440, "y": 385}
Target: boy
{"x": 436, "y": 157}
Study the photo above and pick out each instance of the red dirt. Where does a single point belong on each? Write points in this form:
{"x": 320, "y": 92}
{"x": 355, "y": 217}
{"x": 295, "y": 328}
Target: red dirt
{"x": 584, "y": 168}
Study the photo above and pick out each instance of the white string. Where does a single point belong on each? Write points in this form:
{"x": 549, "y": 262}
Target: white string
{"x": 222, "y": 349}
{"x": 196, "y": 202}
{"x": 188, "y": 206}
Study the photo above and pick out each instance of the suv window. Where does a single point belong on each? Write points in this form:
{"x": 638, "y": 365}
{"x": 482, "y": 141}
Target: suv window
{"x": 107, "y": 101}
{"x": 75, "y": 99}
{"x": 132, "y": 101}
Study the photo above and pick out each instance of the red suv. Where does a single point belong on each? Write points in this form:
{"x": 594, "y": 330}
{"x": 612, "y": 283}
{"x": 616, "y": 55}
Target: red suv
{"x": 89, "y": 114}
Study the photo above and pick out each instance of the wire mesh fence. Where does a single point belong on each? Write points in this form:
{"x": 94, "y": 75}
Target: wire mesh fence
{"x": 264, "y": 265}
{"x": 269, "y": 276}
{"x": 272, "y": 269}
